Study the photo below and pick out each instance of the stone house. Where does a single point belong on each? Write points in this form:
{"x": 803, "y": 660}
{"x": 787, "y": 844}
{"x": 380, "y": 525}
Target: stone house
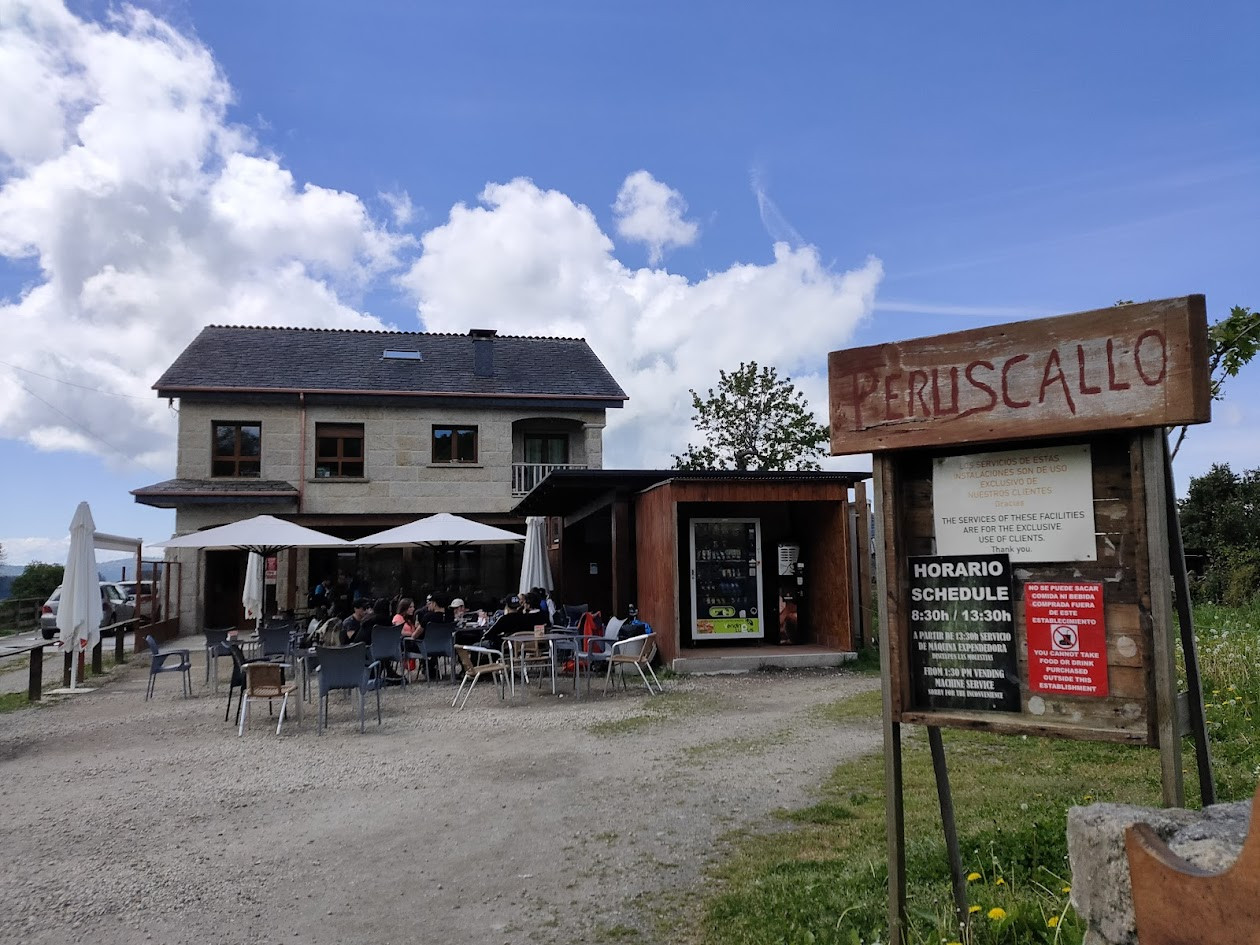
{"x": 351, "y": 432}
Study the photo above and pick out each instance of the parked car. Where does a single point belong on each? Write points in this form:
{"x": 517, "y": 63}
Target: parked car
{"x": 114, "y": 609}
{"x": 148, "y": 605}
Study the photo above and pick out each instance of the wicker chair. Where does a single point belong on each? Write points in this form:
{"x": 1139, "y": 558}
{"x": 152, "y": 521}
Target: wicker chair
{"x": 264, "y": 680}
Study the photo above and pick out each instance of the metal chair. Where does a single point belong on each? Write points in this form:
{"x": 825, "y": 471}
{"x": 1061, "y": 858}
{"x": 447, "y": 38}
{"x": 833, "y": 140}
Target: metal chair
{"x": 160, "y": 664}
{"x": 479, "y": 661}
{"x": 637, "y": 652}
{"x": 265, "y": 681}
{"x": 345, "y": 667}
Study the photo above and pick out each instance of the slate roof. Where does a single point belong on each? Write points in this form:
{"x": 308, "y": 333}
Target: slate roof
{"x": 245, "y": 359}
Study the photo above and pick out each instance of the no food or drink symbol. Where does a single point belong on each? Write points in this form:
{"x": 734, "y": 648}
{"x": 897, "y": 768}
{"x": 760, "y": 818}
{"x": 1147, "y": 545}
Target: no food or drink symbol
{"x": 1065, "y": 638}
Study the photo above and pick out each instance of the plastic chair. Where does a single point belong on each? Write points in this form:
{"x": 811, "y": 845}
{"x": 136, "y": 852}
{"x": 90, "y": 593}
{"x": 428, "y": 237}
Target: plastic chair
{"x": 387, "y": 644}
{"x": 160, "y": 664}
{"x": 439, "y": 644}
{"x": 573, "y": 614}
{"x": 275, "y": 643}
{"x": 345, "y": 667}
{"x": 216, "y": 647}
{"x": 637, "y": 652}
{"x": 265, "y": 681}
{"x": 479, "y": 661}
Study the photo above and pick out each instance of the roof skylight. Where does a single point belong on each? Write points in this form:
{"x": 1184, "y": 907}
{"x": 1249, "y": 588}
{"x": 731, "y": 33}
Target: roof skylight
{"x": 398, "y": 354}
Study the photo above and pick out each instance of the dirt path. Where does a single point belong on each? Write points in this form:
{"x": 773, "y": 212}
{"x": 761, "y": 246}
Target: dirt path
{"x": 543, "y": 820}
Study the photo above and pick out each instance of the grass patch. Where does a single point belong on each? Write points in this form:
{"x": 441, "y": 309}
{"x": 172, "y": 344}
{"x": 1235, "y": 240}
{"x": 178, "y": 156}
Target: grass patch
{"x": 656, "y": 711}
{"x": 724, "y": 747}
{"x": 824, "y": 880}
{"x": 865, "y": 706}
{"x": 12, "y": 701}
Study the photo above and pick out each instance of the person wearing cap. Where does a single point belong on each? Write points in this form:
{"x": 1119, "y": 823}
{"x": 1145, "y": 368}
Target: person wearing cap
{"x": 352, "y": 626}
{"x": 431, "y": 611}
{"x": 457, "y": 611}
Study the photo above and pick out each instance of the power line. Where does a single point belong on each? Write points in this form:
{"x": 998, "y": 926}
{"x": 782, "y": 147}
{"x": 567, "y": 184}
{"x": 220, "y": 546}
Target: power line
{"x": 58, "y": 380}
{"x": 90, "y": 433}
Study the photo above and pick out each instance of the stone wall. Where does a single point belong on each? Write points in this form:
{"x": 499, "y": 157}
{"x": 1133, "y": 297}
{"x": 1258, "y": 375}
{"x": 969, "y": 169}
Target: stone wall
{"x": 1101, "y": 894}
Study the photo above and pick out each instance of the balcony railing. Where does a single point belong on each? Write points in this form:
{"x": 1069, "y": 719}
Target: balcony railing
{"x": 525, "y": 476}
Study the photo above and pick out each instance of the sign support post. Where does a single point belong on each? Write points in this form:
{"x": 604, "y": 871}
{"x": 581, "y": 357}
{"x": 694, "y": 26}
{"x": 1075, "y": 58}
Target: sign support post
{"x": 1194, "y": 686}
{"x": 1162, "y": 656}
{"x": 937, "y": 746}
{"x": 894, "y": 810}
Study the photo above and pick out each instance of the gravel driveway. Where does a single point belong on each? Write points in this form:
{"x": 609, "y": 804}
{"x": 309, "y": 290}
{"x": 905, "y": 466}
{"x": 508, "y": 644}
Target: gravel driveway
{"x": 539, "y": 820}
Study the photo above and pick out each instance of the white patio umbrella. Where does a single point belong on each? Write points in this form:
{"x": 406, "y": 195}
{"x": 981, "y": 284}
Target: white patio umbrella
{"x": 253, "y": 595}
{"x": 536, "y": 568}
{"x": 443, "y": 529}
{"x": 264, "y": 534}
{"x": 79, "y": 612}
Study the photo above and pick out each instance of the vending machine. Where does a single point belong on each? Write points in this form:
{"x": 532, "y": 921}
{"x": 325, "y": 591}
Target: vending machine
{"x": 726, "y": 579}
{"x": 791, "y": 587}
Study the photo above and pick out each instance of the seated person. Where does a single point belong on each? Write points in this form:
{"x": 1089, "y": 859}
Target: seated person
{"x": 458, "y": 612}
{"x": 432, "y": 611}
{"x": 514, "y": 620}
{"x": 352, "y": 626}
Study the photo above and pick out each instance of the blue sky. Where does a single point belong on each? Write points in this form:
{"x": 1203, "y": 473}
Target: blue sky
{"x": 686, "y": 185}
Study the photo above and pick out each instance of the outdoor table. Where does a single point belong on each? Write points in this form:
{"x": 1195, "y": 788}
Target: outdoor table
{"x": 551, "y": 637}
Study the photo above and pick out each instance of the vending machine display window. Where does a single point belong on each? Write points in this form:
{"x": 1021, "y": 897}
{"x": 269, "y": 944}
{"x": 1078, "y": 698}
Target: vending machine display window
{"x": 726, "y": 579}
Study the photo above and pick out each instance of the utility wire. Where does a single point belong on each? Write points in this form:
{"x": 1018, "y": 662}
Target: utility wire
{"x": 57, "y": 380}
{"x": 93, "y": 435}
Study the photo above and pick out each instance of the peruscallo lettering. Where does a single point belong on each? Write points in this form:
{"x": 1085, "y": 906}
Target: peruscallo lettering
{"x": 1021, "y": 380}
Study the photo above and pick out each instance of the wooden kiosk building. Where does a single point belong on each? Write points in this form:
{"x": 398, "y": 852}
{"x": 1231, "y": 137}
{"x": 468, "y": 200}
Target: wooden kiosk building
{"x": 793, "y": 543}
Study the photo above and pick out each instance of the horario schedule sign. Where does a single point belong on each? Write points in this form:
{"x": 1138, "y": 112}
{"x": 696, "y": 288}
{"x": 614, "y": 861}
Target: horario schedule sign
{"x": 962, "y": 633}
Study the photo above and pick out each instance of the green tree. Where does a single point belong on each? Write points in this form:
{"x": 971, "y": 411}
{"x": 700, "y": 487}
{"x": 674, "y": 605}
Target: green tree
{"x": 754, "y": 420}
{"x": 1220, "y": 518}
{"x": 1234, "y": 341}
{"x": 37, "y": 580}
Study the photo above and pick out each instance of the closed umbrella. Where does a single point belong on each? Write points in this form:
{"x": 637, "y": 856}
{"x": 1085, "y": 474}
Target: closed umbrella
{"x": 252, "y": 597}
{"x": 79, "y": 613}
{"x": 536, "y": 568}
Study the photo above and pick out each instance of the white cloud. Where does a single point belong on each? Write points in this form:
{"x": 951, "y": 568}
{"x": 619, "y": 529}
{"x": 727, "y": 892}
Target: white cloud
{"x": 399, "y": 203}
{"x": 150, "y": 216}
{"x": 23, "y": 551}
{"x": 658, "y": 333}
{"x": 650, "y": 212}
{"x": 772, "y": 218}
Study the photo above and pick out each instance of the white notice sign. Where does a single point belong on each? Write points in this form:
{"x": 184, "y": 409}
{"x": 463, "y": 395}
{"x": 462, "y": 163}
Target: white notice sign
{"x": 1032, "y": 504}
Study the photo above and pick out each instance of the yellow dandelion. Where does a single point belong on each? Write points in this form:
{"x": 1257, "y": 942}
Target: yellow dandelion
{"x": 972, "y": 877}
{"x": 955, "y": 943}
{"x": 973, "y": 909}
{"x": 1067, "y": 889}
{"x": 1053, "y": 921}
{"x": 997, "y": 913}
{"x": 999, "y": 881}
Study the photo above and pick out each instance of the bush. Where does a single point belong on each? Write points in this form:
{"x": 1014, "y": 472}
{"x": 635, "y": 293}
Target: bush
{"x": 37, "y": 580}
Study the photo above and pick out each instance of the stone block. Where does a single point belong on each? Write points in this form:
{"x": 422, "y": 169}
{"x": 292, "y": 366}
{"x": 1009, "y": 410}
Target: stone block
{"x": 1101, "y": 893}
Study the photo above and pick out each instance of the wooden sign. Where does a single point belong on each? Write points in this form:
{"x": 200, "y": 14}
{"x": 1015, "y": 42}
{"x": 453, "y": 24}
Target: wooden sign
{"x": 1126, "y": 367}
